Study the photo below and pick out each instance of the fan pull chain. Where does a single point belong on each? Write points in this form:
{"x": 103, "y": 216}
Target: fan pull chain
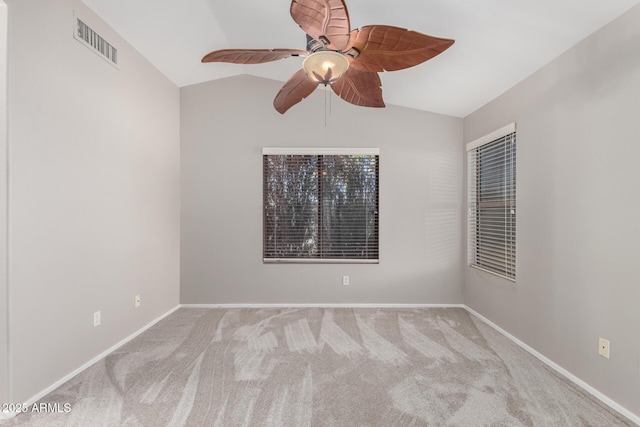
{"x": 326, "y": 128}
{"x": 330, "y": 101}
{"x": 325, "y": 106}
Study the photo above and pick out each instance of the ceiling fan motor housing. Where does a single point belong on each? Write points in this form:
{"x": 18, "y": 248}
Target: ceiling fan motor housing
{"x": 314, "y": 45}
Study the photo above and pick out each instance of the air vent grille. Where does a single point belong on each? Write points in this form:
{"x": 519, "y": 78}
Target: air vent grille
{"x": 94, "y": 41}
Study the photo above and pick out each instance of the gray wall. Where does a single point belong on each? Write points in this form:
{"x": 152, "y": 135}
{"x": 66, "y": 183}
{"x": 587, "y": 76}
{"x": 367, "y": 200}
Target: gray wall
{"x": 4, "y": 307}
{"x": 578, "y": 132}
{"x": 225, "y": 124}
{"x": 94, "y": 193}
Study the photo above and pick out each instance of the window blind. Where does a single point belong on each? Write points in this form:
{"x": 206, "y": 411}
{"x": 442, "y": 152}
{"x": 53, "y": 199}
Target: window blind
{"x": 320, "y": 207}
{"x": 492, "y": 203}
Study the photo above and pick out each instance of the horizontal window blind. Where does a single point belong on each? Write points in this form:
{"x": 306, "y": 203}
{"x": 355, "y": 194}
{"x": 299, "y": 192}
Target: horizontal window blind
{"x": 320, "y": 207}
{"x": 492, "y": 204}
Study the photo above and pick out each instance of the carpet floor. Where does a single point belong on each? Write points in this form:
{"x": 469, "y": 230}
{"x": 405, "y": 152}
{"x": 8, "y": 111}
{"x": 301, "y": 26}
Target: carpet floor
{"x": 320, "y": 367}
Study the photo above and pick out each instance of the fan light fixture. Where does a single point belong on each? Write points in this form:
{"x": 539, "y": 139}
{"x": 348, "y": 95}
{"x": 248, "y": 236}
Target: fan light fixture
{"x": 325, "y": 66}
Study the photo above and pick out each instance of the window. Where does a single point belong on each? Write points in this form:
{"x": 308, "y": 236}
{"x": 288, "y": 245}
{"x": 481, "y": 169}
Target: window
{"x": 492, "y": 202}
{"x": 320, "y": 205}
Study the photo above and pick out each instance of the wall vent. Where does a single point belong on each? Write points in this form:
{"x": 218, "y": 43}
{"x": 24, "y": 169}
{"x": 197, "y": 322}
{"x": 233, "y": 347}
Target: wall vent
{"x": 94, "y": 41}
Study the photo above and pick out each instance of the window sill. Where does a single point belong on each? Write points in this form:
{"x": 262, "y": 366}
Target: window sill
{"x": 318, "y": 261}
{"x": 511, "y": 279}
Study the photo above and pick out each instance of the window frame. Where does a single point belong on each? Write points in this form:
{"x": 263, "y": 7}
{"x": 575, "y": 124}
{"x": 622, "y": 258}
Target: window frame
{"x": 478, "y": 249}
{"x": 307, "y": 151}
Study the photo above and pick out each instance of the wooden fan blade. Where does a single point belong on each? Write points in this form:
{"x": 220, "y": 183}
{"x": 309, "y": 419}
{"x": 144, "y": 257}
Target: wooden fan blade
{"x": 251, "y": 56}
{"x": 323, "y": 18}
{"x": 297, "y": 88}
{"x": 362, "y": 88}
{"x": 387, "y": 48}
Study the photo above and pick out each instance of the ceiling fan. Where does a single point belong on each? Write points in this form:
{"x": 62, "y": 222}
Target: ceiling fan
{"x": 348, "y": 61}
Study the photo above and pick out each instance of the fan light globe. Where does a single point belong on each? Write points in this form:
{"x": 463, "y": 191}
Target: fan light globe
{"x": 325, "y": 66}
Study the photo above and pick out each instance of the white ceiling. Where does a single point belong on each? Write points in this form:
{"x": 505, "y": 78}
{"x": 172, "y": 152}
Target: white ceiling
{"x": 498, "y": 42}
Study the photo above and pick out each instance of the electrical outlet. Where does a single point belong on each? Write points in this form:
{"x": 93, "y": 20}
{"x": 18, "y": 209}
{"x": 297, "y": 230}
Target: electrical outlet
{"x": 96, "y": 319}
{"x": 603, "y": 347}
{"x": 136, "y": 302}
{"x": 345, "y": 280}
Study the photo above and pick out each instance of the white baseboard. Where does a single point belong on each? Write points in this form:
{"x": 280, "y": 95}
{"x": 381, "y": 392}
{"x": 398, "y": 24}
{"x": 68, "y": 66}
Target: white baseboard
{"x": 41, "y": 394}
{"x": 322, "y": 305}
{"x": 589, "y": 389}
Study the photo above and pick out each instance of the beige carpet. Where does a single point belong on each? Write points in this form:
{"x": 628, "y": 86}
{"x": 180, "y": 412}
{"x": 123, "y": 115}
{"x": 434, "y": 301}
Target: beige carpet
{"x": 321, "y": 367}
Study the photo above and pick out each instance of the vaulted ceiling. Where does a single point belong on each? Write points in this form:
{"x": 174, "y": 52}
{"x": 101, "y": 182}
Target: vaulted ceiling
{"x": 498, "y": 42}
